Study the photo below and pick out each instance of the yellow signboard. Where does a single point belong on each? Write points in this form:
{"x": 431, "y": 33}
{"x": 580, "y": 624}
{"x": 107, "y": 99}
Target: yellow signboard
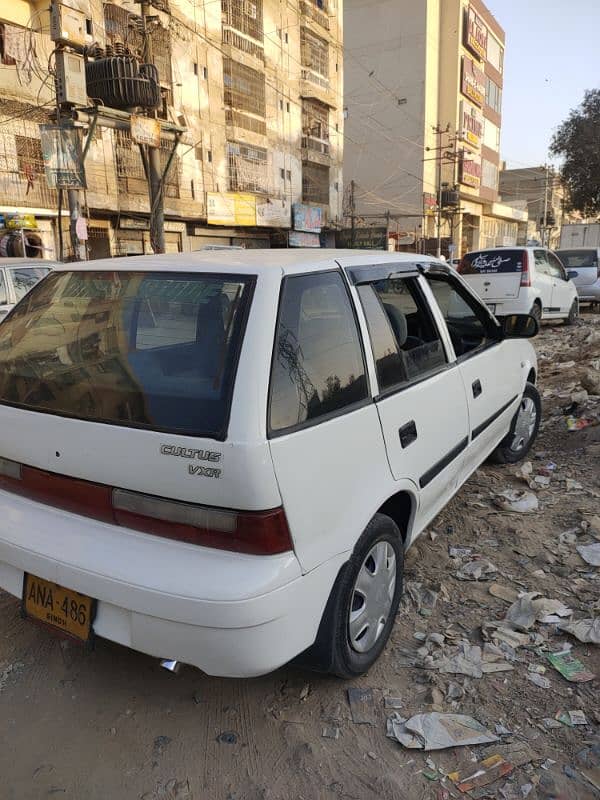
{"x": 230, "y": 208}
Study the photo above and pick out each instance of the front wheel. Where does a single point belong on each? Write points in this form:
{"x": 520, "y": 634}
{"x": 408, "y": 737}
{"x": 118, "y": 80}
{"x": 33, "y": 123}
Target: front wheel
{"x": 573, "y": 314}
{"x": 363, "y": 603}
{"x": 523, "y": 429}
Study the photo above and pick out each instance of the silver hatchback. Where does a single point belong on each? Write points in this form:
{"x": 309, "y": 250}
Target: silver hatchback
{"x": 17, "y": 277}
{"x": 585, "y": 263}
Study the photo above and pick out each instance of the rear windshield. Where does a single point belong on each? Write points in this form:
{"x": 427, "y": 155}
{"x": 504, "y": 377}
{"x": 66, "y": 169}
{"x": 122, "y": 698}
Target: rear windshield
{"x": 25, "y": 278}
{"x": 572, "y": 259}
{"x": 152, "y": 350}
{"x": 492, "y": 262}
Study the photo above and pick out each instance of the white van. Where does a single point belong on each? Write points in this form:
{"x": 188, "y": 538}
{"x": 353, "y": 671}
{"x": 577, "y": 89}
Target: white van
{"x": 220, "y": 458}
{"x": 521, "y": 280}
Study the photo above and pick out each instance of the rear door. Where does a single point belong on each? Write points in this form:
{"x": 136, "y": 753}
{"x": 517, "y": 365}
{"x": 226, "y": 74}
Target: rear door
{"x": 584, "y": 262}
{"x": 563, "y": 290}
{"x": 543, "y": 281}
{"x": 5, "y": 303}
{"x": 421, "y": 397}
{"x": 488, "y": 365}
{"x": 495, "y": 275}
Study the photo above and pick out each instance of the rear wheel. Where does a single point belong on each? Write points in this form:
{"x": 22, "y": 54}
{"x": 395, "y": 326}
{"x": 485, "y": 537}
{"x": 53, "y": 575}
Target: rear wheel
{"x": 363, "y": 603}
{"x": 536, "y": 311}
{"x": 573, "y": 314}
{"x": 523, "y": 429}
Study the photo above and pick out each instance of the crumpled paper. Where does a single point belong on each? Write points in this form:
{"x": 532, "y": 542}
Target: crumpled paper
{"x": 435, "y": 731}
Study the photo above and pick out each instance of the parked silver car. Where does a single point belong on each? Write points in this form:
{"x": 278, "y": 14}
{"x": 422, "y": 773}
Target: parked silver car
{"x": 585, "y": 263}
{"x": 17, "y": 277}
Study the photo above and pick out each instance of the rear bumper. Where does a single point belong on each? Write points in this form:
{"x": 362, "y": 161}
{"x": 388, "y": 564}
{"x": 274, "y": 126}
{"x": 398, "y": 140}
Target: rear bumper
{"x": 228, "y": 614}
{"x": 510, "y": 305}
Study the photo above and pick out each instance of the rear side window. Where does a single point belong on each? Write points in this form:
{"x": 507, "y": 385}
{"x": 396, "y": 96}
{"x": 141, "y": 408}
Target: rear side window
{"x": 405, "y": 341}
{"x": 318, "y": 367}
{"x": 572, "y": 259}
{"x": 25, "y": 278}
{"x": 492, "y": 262}
{"x": 153, "y": 350}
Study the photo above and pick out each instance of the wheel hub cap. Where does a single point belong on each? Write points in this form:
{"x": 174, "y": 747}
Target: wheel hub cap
{"x": 525, "y": 424}
{"x": 372, "y": 597}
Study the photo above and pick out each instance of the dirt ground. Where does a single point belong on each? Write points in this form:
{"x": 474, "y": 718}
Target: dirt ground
{"x": 111, "y": 724}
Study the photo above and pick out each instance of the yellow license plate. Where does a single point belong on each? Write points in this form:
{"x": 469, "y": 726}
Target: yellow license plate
{"x": 62, "y": 609}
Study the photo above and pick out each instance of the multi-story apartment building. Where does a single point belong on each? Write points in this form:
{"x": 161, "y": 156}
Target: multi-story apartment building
{"x": 411, "y": 69}
{"x": 257, "y": 84}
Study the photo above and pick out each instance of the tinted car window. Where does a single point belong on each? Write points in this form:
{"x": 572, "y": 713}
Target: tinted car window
{"x": 468, "y": 323}
{"x": 492, "y": 262}
{"x": 25, "y": 278}
{"x": 416, "y": 346}
{"x": 572, "y": 259}
{"x": 318, "y": 366}
{"x": 153, "y": 350}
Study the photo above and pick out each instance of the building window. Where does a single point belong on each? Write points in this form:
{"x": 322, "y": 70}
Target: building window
{"x": 205, "y": 73}
{"x": 315, "y": 57}
{"x": 491, "y": 135}
{"x": 288, "y": 174}
{"x": 315, "y": 126}
{"x": 244, "y": 96}
{"x": 246, "y": 16}
{"x": 209, "y": 156}
{"x": 282, "y": 173}
{"x": 495, "y": 53}
{"x": 489, "y": 175}
{"x": 493, "y": 95}
{"x": 195, "y": 68}
{"x": 247, "y": 167}
{"x": 315, "y": 183}
{"x": 317, "y": 11}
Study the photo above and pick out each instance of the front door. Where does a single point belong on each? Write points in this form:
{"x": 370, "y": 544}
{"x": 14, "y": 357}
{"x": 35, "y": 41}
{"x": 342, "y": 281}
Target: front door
{"x": 543, "y": 281}
{"x": 421, "y": 397}
{"x": 487, "y": 365}
{"x": 562, "y": 288}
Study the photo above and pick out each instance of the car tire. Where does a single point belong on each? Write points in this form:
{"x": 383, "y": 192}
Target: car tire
{"x": 373, "y": 574}
{"x": 536, "y": 311}
{"x": 573, "y": 314}
{"x": 523, "y": 429}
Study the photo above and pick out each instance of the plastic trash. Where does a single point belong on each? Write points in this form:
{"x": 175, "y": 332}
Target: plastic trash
{"x": 435, "y": 731}
{"x": 570, "y": 667}
{"x": 590, "y": 553}
{"x": 520, "y": 502}
{"x": 586, "y": 630}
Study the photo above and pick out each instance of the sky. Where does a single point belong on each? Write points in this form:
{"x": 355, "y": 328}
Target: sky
{"x": 552, "y": 56}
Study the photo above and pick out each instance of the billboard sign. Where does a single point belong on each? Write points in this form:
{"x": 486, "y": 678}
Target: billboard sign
{"x": 308, "y": 218}
{"x": 472, "y": 82}
{"x": 475, "y": 34}
{"x": 273, "y": 214}
{"x": 303, "y": 239}
{"x": 145, "y": 130}
{"x": 230, "y": 208}
{"x": 471, "y": 124}
{"x": 470, "y": 172}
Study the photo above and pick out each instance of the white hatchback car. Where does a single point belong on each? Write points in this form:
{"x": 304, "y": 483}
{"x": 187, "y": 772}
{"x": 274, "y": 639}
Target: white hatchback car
{"x": 521, "y": 280}
{"x": 584, "y": 263}
{"x": 17, "y": 276}
{"x": 221, "y": 457}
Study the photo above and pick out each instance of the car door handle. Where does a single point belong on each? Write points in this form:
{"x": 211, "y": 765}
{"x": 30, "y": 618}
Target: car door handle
{"x": 476, "y": 387}
{"x": 408, "y": 433}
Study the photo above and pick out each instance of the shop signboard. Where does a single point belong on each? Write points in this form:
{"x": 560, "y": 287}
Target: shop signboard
{"x": 230, "y": 208}
{"x": 273, "y": 213}
{"x": 475, "y": 33}
{"x": 472, "y": 82}
{"x": 303, "y": 239}
{"x": 470, "y": 172}
{"x": 145, "y": 130}
{"x": 471, "y": 124}
{"x": 308, "y": 218}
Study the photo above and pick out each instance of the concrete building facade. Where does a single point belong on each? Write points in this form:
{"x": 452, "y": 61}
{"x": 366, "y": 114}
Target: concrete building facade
{"x": 412, "y": 69}
{"x": 257, "y": 84}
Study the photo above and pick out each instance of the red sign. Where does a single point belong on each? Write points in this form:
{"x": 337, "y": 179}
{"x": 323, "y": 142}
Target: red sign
{"x": 475, "y": 36}
{"x": 473, "y": 82}
{"x": 470, "y": 173}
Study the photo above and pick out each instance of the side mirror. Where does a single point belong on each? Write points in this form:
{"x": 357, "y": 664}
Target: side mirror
{"x": 571, "y": 274}
{"x": 520, "y": 326}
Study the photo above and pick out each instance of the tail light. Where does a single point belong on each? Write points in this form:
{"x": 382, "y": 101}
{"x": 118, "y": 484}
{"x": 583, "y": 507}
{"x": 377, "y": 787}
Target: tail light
{"x": 525, "y": 274}
{"x": 252, "y": 532}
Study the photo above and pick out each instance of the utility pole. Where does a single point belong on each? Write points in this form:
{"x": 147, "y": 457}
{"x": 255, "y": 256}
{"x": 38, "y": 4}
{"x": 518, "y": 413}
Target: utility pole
{"x": 545, "y": 217}
{"x": 352, "y": 213}
{"x": 439, "y": 132}
{"x": 155, "y": 176}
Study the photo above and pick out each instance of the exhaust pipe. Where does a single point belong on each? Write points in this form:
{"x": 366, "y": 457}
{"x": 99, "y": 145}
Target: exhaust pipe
{"x": 171, "y": 665}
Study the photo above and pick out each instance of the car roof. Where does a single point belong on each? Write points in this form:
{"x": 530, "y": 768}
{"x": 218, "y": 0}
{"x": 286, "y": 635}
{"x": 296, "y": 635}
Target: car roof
{"x": 253, "y": 261}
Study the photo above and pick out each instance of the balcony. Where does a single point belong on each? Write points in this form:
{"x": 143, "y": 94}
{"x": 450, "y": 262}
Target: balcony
{"x": 309, "y": 9}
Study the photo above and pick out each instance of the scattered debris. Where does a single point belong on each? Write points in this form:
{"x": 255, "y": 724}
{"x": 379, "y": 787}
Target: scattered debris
{"x": 460, "y": 552}
{"x": 486, "y": 772}
{"x": 586, "y": 630}
{"x": 521, "y": 502}
{"x": 227, "y": 737}
{"x": 579, "y": 423}
{"x": 435, "y": 731}
{"x": 392, "y": 702}
{"x": 330, "y": 732}
{"x": 530, "y": 608}
{"x": 477, "y": 570}
{"x": 539, "y": 680}
{"x": 570, "y": 718}
{"x": 503, "y": 592}
{"x": 362, "y": 706}
{"x": 305, "y": 691}
{"x": 590, "y": 553}
{"x": 424, "y": 599}
{"x": 570, "y": 667}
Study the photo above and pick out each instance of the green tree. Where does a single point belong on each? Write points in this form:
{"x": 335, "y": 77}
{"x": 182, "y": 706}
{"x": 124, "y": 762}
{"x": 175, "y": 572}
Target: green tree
{"x": 577, "y": 142}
